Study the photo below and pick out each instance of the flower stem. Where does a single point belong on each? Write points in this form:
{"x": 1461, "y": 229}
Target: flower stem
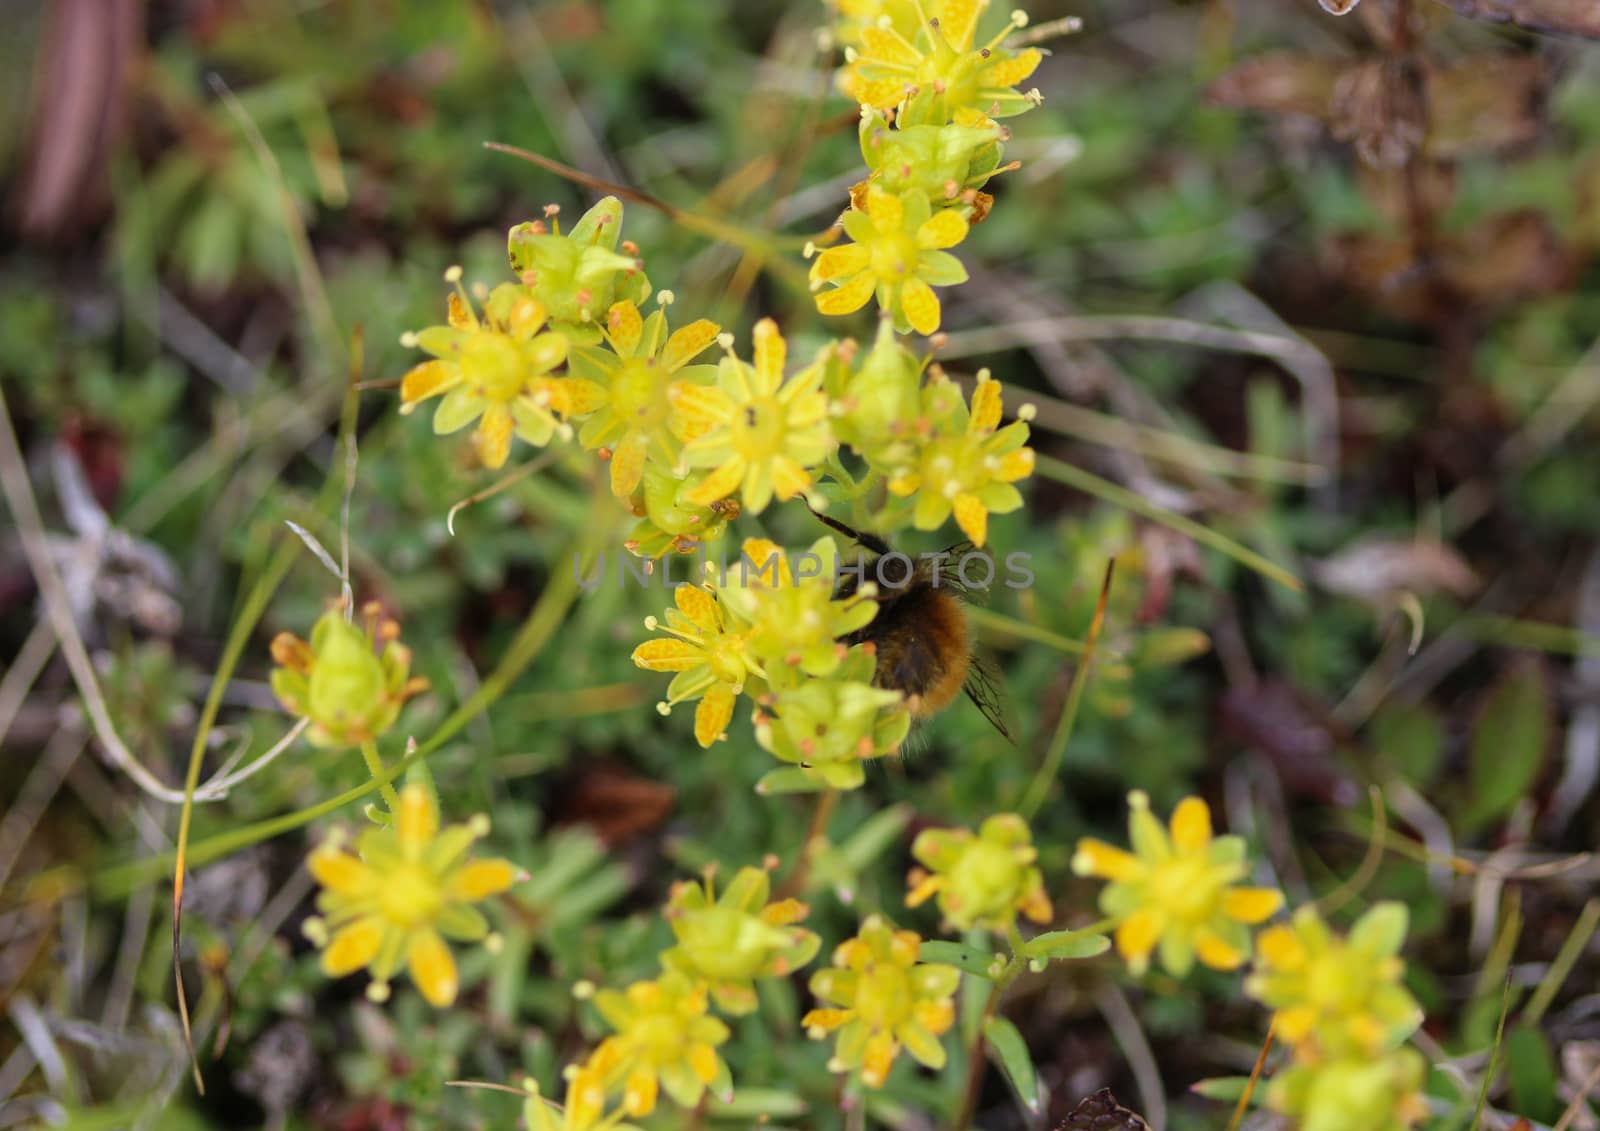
{"x": 369, "y": 751}
{"x": 796, "y": 882}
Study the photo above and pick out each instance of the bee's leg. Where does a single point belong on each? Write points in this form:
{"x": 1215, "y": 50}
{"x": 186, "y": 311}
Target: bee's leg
{"x": 870, "y": 541}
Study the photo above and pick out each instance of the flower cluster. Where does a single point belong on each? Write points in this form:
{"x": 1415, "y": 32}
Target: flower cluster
{"x": 773, "y": 629}
{"x": 929, "y": 94}
{"x": 1341, "y": 1007}
{"x": 983, "y": 880}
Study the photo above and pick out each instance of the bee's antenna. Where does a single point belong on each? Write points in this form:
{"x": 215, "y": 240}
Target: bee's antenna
{"x": 870, "y": 541}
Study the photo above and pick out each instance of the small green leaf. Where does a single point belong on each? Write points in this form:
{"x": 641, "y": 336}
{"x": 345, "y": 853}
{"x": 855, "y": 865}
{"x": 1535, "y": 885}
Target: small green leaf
{"x": 756, "y": 1103}
{"x": 790, "y": 779}
{"x": 976, "y": 962}
{"x": 1066, "y": 944}
{"x": 1224, "y": 1089}
{"x": 1410, "y": 737}
{"x": 1531, "y": 1070}
{"x": 1508, "y": 745}
{"x": 875, "y": 835}
{"x": 1010, "y": 1052}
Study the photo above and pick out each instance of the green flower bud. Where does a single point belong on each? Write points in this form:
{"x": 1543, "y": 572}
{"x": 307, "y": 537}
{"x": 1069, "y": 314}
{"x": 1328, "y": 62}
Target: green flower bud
{"x": 350, "y": 691}
{"x": 943, "y": 161}
{"x": 832, "y": 726}
{"x": 983, "y": 880}
{"x": 579, "y": 275}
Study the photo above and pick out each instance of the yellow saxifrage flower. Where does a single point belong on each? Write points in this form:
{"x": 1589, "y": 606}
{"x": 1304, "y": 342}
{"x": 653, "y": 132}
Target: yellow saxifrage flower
{"x": 626, "y": 388}
{"x": 898, "y": 255}
{"x": 983, "y": 880}
{"x": 796, "y": 620}
{"x": 1177, "y": 891}
{"x": 761, "y": 434}
{"x": 664, "y": 1039}
{"x": 939, "y": 74}
{"x": 1381, "y": 1093}
{"x": 970, "y": 465}
{"x": 1336, "y": 997}
{"x": 882, "y": 1000}
{"x": 851, "y": 16}
{"x": 584, "y": 1110}
{"x": 408, "y": 888}
{"x": 710, "y": 653}
{"x": 351, "y": 692}
{"x": 729, "y": 941}
{"x": 495, "y": 370}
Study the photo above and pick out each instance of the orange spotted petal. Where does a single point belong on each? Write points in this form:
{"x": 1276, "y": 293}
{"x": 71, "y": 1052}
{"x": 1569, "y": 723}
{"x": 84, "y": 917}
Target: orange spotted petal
{"x": 721, "y": 483}
{"x": 668, "y": 655}
{"x": 971, "y": 517}
{"x": 1009, "y": 72}
{"x": 770, "y": 353}
{"x": 625, "y": 327}
{"x": 837, "y": 262}
{"x": 945, "y": 228}
{"x": 494, "y": 436}
{"x": 985, "y": 407}
{"x": 428, "y": 380}
{"x": 699, "y": 606}
{"x": 688, "y": 343}
{"x": 712, "y": 715}
{"x": 921, "y": 306}
{"x": 850, "y": 297}
{"x": 883, "y": 46}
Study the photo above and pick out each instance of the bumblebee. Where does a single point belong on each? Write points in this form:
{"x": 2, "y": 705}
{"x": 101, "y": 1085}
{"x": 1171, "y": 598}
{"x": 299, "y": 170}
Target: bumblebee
{"x": 920, "y": 633}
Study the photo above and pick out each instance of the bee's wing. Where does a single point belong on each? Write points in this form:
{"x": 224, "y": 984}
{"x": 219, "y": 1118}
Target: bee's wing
{"x": 983, "y": 688}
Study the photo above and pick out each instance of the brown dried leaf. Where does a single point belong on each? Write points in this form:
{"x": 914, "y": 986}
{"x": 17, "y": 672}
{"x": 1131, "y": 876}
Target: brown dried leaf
{"x": 1280, "y": 84}
{"x": 1564, "y": 17}
{"x": 1507, "y": 258}
{"x": 1295, "y": 734}
{"x": 1102, "y": 1112}
{"x": 1485, "y": 103}
{"x": 617, "y": 804}
{"x": 1375, "y": 567}
{"x": 1380, "y": 108}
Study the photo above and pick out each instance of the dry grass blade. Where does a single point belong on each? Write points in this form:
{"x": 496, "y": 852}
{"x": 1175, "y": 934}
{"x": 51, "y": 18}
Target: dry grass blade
{"x": 1250, "y": 1086}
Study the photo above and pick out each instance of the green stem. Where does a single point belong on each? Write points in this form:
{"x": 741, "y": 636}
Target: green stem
{"x": 374, "y": 760}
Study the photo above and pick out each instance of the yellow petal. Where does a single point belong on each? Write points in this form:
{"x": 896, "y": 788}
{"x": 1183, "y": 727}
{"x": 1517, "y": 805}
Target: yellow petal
{"x": 887, "y": 212}
{"x": 770, "y": 351}
{"x": 1294, "y": 1025}
{"x": 418, "y": 820}
{"x": 985, "y": 407}
{"x": 1097, "y": 858}
{"x": 921, "y": 891}
{"x": 668, "y": 655}
{"x": 1216, "y": 952}
{"x": 639, "y": 1093}
{"x": 836, "y": 262}
{"x": 494, "y": 436}
{"x": 881, "y": 93}
{"x": 1280, "y": 948}
{"x": 1015, "y": 465}
{"x": 353, "y": 946}
{"x": 339, "y": 871}
{"x": 1009, "y": 72}
{"x": 624, "y": 326}
{"x": 479, "y": 879}
{"x": 878, "y": 1059}
{"x": 703, "y": 1062}
{"x": 958, "y": 19}
{"x": 721, "y": 483}
{"x": 581, "y": 396}
{"x": 696, "y": 409}
{"x": 936, "y": 1016}
{"x": 881, "y": 45}
{"x": 586, "y": 1097}
{"x": 1137, "y": 936}
{"x": 788, "y": 477}
{"x": 428, "y": 380}
{"x": 1251, "y": 905}
{"x": 921, "y": 305}
{"x": 826, "y": 1018}
{"x": 525, "y": 319}
{"x": 627, "y": 464}
{"x": 432, "y": 968}
{"x": 1191, "y": 826}
{"x": 699, "y": 606}
{"x": 971, "y": 517}
{"x": 459, "y": 314}
{"x": 687, "y": 344}
{"x": 712, "y": 715}
{"x": 943, "y": 229}
{"x": 847, "y": 298}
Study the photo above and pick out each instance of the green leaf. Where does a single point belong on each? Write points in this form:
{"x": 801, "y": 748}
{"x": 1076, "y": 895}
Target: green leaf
{"x": 1508, "y": 745}
{"x": 976, "y": 962}
{"x": 1010, "y": 1052}
{"x": 1066, "y": 944}
{"x": 790, "y": 779}
{"x": 1410, "y": 737}
{"x": 756, "y": 1103}
{"x": 875, "y": 835}
{"x": 1224, "y": 1089}
{"x": 1531, "y": 1070}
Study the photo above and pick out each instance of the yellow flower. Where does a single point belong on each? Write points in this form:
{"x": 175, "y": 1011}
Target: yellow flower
{"x": 761, "y": 434}
{"x": 940, "y": 76}
{"x": 1177, "y": 890}
{"x": 796, "y": 619}
{"x": 349, "y": 690}
{"x": 897, "y": 255}
{"x": 664, "y": 1039}
{"x": 626, "y": 389}
{"x": 882, "y": 999}
{"x": 584, "y": 1110}
{"x": 1336, "y": 996}
{"x": 711, "y": 658}
{"x": 730, "y": 940}
{"x": 983, "y": 880}
{"x": 496, "y": 371}
{"x": 968, "y": 464}
{"x": 410, "y": 886}
{"x": 1355, "y": 1094}
{"x": 851, "y": 16}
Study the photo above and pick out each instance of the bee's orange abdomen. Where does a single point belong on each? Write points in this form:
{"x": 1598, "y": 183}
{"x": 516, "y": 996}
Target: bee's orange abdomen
{"x": 923, "y": 649}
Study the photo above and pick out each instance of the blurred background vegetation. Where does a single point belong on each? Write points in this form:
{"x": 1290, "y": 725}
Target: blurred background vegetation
{"x": 1327, "y": 286}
